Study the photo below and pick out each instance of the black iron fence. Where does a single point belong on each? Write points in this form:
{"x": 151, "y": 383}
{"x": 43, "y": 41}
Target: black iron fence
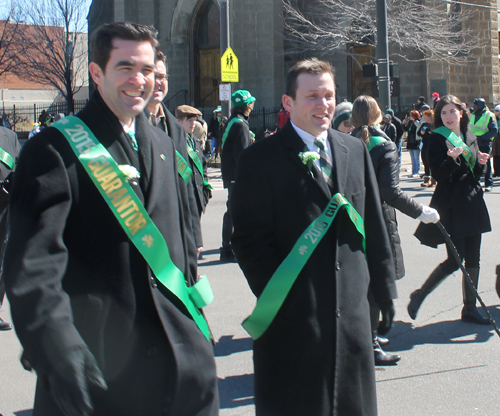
{"x": 22, "y": 118}
{"x": 260, "y": 120}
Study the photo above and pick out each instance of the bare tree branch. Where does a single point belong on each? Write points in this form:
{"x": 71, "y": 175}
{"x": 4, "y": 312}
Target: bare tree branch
{"x": 435, "y": 29}
{"x": 10, "y": 47}
{"x": 57, "y": 45}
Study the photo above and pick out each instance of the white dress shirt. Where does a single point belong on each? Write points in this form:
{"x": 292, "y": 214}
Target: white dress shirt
{"x": 309, "y": 139}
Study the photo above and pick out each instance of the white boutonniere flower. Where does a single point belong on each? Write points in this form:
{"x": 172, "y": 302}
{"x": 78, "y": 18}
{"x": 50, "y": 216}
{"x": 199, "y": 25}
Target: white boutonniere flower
{"x": 131, "y": 173}
{"x": 307, "y": 157}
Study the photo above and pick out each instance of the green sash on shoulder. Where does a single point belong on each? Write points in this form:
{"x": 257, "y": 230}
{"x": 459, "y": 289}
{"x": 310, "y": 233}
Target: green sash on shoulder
{"x": 6, "y": 159}
{"x": 228, "y": 127}
{"x": 199, "y": 165}
{"x": 183, "y": 167}
{"x": 133, "y": 217}
{"x": 278, "y": 287}
{"x": 457, "y": 142}
{"x": 374, "y": 140}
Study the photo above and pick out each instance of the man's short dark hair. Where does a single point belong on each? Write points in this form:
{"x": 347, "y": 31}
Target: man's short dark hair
{"x": 161, "y": 57}
{"x": 101, "y": 41}
{"x": 311, "y": 66}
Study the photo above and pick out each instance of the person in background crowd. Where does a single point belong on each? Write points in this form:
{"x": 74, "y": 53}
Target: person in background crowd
{"x": 388, "y": 128}
{"x": 420, "y": 102}
{"x": 484, "y": 125}
{"x": 435, "y": 99}
{"x": 215, "y": 129}
{"x": 104, "y": 334}
{"x": 413, "y": 142}
{"x": 399, "y": 132}
{"x": 201, "y": 131}
{"x": 58, "y": 117}
{"x": 237, "y": 137}
{"x": 160, "y": 117}
{"x": 424, "y": 132}
{"x": 188, "y": 117}
{"x": 495, "y": 148}
{"x": 9, "y": 149}
{"x": 366, "y": 116}
{"x": 316, "y": 357}
{"x": 282, "y": 118}
{"x": 341, "y": 118}
{"x": 456, "y": 163}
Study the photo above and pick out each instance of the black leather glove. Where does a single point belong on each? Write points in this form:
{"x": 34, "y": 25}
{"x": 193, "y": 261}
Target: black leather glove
{"x": 68, "y": 381}
{"x": 387, "y": 311}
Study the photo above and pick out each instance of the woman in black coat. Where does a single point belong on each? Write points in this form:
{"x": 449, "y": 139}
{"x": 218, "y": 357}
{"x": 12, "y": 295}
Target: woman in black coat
{"x": 459, "y": 200}
{"x": 413, "y": 142}
{"x": 365, "y": 117}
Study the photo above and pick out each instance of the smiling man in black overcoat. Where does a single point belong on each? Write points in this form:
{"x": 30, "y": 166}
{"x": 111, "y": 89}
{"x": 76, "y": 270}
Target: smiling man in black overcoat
{"x": 316, "y": 356}
{"x": 104, "y": 335}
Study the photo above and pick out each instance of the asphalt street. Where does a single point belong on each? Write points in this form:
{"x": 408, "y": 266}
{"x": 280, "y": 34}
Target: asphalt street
{"x": 447, "y": 368}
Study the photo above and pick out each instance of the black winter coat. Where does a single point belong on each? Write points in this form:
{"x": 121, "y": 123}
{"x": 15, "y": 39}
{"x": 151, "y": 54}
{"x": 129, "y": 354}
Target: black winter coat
{"x": 73, "y": 277}
{"x": 238, "y": 139}
{"x": 458, "y": 196}
{"x": 316, "y": 358}
{"x": 386, "y": 165}
{"x": 412, "y": 141}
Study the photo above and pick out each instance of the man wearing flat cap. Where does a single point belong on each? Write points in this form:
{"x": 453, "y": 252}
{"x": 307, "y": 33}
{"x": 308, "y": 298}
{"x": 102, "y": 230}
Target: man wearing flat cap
{"x": 187, "y": 116}
{"x": 236, "y": 138}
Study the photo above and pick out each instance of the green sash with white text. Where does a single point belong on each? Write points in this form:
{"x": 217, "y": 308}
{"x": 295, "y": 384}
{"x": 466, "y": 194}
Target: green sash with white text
{"x": 197, "y": 162}
{"x": 6, "y": 159}
{"x": 133, "y": 217}
{"x": 183, "y": 167}
{"x": 278, "y": 287}
{"x": 458, "y": 142}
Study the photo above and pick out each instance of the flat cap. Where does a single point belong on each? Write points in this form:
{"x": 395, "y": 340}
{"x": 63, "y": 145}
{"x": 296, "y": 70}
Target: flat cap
{"x": 186, "y": 111}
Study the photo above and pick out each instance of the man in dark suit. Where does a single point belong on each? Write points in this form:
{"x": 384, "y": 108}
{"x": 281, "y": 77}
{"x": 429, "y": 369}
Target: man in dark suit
{"x": 316, "y": 356}
{"x": 105, "y": 334}
{"x": 160, "y": 117}
{"x": 9, "y": 151}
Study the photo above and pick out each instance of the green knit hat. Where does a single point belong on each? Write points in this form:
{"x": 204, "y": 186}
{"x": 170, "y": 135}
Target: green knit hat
{"x": 241, "y": 98}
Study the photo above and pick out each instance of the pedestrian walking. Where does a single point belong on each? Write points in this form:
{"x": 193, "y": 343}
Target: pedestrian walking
{"x": 366, "y": 116}
{"x": 101, "y": 265}
{"x": 313, "y": 354}
{"x": 456, "y": 164}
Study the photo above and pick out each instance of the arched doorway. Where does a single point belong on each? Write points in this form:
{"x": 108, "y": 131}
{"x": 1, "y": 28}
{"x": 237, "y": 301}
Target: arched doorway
{"x": 207, "y": 53}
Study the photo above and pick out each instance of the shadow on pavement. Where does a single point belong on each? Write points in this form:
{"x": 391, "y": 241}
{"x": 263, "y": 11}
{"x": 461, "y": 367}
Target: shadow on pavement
{"x": 445, "y": 332}
{"x": 227, "y": 345}
{"x": 236, "y": 391}
{"x": 24, "y": 412}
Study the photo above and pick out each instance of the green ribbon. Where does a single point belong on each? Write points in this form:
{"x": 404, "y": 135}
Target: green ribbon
{"x": 183, "y": 167}
{"x": 6, "y": 159}
{"x": 458, "y": 142}
{"x": 133, "y": 217}
{"x": 228, "y": 127}
{"x": 374, "y": 140}
{"x": 199, "y": 165}
{"x": 278, "y": 287}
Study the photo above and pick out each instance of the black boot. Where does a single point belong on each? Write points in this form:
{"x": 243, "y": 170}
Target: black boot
{"x": 497, "y": 286}
{"x": 417, "y": 297}
{"x": 469, "y": 312}
{"x": 382, "y": 357}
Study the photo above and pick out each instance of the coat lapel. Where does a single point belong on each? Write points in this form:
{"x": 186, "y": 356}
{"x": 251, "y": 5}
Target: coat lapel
{"x": 340, "y": 156}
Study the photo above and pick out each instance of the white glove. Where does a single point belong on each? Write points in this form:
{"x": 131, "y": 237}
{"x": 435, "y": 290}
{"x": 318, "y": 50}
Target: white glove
{"x": 429, "y": 215}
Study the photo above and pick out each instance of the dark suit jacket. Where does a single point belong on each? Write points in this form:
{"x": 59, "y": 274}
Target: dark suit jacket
{"x": 316, "y": 358}
{"x": 175, "y": 131}
{"x": 73, "y": 277}
{"x": 201, "y": 192}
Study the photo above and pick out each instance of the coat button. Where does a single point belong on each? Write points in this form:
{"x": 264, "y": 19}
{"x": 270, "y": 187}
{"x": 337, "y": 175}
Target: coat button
{"x": 337, "y": 266}
{"x": 153, "y": 282}
{"x": 152, "y": 352}
{"x": 337, "y": 312}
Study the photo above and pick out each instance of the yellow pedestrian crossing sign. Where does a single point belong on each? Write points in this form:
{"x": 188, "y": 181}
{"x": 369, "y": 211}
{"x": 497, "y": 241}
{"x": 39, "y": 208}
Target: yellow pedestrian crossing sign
{"x": 229, "y": 66}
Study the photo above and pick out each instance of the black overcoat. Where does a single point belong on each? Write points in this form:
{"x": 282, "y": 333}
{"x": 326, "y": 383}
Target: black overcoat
{"x": 458, "y": 196}
{"x": 73, "y": 278}
{"x": 316, "y": 358}
{"x": 175, "y": 131}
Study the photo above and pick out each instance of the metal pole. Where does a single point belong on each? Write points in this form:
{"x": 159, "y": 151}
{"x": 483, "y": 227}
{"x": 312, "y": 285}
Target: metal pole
{"x": 384, "y": 81}
{"x": 224, "y": 44}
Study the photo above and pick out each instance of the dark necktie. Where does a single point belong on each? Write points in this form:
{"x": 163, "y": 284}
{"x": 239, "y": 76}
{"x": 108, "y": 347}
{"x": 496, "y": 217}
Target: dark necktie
{"x": 325, "y": 162}
{"x": 133, "y": 140}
